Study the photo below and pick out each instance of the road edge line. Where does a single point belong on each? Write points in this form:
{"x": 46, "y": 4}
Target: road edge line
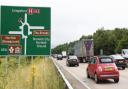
{"x": 64, "y": 78}
{"x": 79, "y": 80}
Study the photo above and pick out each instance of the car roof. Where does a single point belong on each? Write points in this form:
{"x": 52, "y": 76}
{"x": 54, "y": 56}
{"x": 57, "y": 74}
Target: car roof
{"x": 117, "y": 56}
{"x": 101, "y": 56}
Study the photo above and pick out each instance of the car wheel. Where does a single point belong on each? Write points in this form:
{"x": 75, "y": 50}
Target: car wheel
{"x": 116, "y": 80}
{"x": 69, "y": 64}
{"x": 123, "y": 68}
{"x": 82, "y": 61}
{"x": 96, "y": 79}
{"x": 66, "y": 64}
{"x": 78, "y": 64}
{"x": 88, "y": 76}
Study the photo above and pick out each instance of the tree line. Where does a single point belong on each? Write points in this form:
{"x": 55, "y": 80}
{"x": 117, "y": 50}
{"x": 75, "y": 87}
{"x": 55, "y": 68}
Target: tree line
{"x": 111, "y": 41}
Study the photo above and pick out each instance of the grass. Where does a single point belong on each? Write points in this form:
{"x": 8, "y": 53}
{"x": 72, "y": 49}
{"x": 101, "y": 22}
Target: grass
{"x": 41, "y": 74}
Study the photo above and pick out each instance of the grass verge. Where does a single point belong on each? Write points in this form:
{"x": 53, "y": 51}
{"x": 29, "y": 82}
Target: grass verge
{"x": 41, "y": 74}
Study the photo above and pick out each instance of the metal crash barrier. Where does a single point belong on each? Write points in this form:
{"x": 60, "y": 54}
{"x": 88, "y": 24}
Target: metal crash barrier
{"x": 67, "y": 84}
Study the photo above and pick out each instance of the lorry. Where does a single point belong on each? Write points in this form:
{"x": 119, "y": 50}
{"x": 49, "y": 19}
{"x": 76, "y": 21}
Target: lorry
{"x": 84, "y": 50}
{"x": 124, "y": 53}
{"x": 64, "y": 54}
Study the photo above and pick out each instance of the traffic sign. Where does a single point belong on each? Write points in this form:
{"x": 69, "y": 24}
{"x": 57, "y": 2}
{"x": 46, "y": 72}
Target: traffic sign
{"x": 25, "y": 30}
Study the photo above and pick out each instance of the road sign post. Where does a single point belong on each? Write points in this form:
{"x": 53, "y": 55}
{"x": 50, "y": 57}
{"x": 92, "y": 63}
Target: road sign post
{"x": 25, "y": 31}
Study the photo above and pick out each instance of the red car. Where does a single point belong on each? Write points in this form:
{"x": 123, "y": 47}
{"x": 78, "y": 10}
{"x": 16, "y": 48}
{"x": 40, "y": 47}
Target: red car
{"x": 102, "y": 68}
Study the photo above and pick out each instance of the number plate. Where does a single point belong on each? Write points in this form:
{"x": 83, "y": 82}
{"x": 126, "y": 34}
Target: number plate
{"x": 74, "y": 60}
{"x": 120, "y": 61}
{"x": 108, "y": 68}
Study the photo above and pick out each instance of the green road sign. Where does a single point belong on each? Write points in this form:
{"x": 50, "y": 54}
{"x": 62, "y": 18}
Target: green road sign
{"x": 25, "y": 30}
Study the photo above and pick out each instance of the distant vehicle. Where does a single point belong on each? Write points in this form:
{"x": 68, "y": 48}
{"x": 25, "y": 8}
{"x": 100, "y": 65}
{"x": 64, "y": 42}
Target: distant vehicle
{"x": 59, "y": 57}
{"x": 102, "y": 68}
{"x": 124, "y": 54}
{"x": 72, "y": 61}
{"x": 64, "y": 54}
{"x": 119, "y": 61}
{"x": 54, "y": 55}
{"x": 84, "y": 49}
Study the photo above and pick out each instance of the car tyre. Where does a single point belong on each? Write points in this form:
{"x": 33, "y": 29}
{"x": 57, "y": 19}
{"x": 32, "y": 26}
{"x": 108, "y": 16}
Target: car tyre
{"x": 67, "y": 63}
{"x": 96, "y": 79}
{"x": 78, "y": 64}
{"x": 116, "y": 80}
{"x": 88, "y": 76}
{"x": 123, "y": 68}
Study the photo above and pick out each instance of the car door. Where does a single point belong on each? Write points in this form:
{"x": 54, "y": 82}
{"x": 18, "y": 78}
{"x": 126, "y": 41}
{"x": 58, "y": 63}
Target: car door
{"x": 89, "y": 66}
{"x": 92, "y": 66}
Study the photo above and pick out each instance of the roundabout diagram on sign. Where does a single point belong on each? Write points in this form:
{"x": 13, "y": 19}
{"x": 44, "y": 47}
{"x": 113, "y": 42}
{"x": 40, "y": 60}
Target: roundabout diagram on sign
{"x": 24, "y": 36}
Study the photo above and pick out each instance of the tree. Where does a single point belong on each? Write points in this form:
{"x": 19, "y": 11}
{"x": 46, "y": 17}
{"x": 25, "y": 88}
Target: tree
{"x": 111, "y": 41}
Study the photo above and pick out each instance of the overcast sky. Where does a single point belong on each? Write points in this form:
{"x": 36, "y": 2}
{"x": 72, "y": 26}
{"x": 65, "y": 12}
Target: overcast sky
{"x": 73, "y": 18}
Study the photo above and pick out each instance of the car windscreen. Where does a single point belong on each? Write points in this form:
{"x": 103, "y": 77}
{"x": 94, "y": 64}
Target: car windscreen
{"x": 126, "y": 51}
{"x": 106, "y": 60}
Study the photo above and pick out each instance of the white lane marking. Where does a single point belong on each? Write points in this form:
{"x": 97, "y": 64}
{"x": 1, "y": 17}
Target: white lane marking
{"x": 66, "y": 81}
{"x": 85, "y": 85}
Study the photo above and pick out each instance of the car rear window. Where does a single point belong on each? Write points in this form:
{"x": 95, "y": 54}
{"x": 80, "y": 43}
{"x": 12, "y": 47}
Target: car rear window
{"x": 106, "y": 60}
{"x": 59, "y": 55}
{"x": 117, "y": 57}
{"x": 72, "y": 57}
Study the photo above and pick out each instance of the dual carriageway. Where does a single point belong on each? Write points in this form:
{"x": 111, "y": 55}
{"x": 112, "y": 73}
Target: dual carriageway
{"x": 76, "y": 76}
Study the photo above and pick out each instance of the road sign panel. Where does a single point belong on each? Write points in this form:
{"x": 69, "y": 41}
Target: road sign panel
{"x": 25, "y": 30}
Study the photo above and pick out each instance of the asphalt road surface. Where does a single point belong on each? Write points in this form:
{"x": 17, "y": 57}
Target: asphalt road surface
{"x": 79, "y": 73}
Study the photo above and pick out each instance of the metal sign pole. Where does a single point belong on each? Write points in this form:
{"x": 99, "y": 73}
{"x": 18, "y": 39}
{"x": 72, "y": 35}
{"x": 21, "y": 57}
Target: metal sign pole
{"x": 19, "y": 62}
{"x": 6, "y": 65}
{"x": 33, "y": 74}
{"x": 19, "y": 71}
{"x": 32, "y": 59}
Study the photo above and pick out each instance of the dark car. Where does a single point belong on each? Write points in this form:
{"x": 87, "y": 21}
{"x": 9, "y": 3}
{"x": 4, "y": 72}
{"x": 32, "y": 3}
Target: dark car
{"x": 102, "y": 68}
{"x": 59, "y": 57}
{"x": 119, "y": 61}
{"x": 72, "y": 61}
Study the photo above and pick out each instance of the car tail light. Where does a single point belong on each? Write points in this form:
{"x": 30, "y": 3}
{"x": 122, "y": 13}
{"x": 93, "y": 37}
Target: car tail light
{"x": 125, "y": 61}
{"x": 115, "y": 61}
{"x": 116, "y": 69}
{"x": 99, "y": 68}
